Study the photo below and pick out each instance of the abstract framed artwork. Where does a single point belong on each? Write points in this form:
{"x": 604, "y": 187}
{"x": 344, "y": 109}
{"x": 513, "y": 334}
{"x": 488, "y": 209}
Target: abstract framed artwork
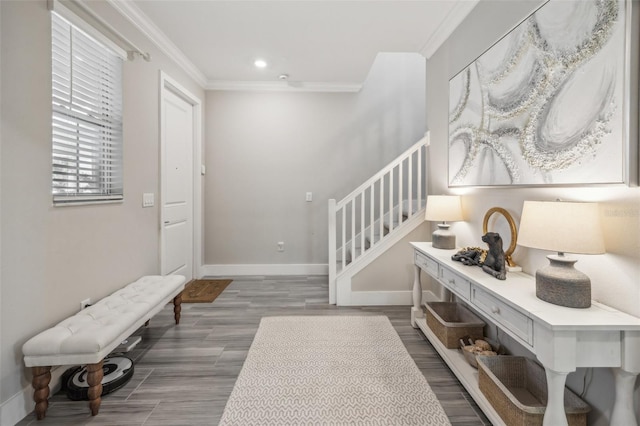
{"x": 548, "y": 104}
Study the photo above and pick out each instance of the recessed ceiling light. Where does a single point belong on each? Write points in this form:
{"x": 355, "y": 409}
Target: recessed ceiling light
{"x": 260, "y": 63}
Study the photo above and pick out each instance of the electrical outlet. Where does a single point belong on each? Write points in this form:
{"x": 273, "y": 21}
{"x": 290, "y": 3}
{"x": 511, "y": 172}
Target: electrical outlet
{"x": 309, "y": 196}
{"x": 85, "y": 303}
{"x": 281, "y": 246}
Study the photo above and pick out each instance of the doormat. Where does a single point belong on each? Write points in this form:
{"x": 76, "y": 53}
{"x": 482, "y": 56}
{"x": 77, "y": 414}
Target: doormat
{"x": 203, "y": 291}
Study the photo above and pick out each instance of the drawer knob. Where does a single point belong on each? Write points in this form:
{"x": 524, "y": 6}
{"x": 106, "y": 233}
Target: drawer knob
{"x": 452, "y": 282}
{"x": 495, "y": 310}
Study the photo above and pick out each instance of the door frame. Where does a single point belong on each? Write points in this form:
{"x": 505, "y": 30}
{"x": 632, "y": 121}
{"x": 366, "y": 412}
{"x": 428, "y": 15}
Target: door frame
{"x": 169, "y": 84}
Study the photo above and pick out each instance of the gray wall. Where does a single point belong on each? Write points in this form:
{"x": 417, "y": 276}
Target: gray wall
{"x": 265, "y": 150}
{"x": 614, "y": 275}
{"x": 52, "y": 258}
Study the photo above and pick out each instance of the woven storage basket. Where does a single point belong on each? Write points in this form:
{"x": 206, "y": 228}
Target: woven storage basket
{"x": 451, "y": 321}
{"x": 516, "y": 387}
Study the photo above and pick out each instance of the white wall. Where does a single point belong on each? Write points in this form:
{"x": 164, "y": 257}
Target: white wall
{"x": 52, "y": 258}
{"x": 393, "y": 270}
{"x": 614, "y": 275}
{"x": 265, "y": 150}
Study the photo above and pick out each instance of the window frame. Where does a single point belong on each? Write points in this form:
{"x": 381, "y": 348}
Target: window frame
{"x": 87, "y": 133}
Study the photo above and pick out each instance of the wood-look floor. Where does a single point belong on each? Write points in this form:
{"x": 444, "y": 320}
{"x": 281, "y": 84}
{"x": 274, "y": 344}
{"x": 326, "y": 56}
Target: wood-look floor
{"x": 184, "y": 374}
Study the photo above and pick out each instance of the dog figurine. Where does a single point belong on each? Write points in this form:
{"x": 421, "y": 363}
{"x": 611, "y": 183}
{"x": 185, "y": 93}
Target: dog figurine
{"x": 494, "y": 263}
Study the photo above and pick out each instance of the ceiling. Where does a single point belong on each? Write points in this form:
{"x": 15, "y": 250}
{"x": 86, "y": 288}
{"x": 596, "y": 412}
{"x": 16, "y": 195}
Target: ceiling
{"x": 327, "y": 43}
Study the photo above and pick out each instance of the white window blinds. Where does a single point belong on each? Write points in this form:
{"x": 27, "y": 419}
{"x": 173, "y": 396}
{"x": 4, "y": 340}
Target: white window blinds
{"x": 87, "y": 117}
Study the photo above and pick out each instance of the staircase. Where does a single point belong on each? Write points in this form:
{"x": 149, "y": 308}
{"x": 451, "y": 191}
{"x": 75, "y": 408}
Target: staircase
{"x": 374, "y": 217}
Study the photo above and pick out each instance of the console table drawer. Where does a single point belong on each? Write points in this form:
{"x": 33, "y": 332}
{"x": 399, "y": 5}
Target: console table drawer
{"x": 511, "y": 319}
{"x": 455, "y": 283}
{"x": 427, "y": 264}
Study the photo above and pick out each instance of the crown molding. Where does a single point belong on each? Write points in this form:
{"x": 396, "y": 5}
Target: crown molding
{"x": 454, "y": 18}
{"x": 130, "y": 11}
{"x": 142, "y": 22}
{"x": 283, "y": 86}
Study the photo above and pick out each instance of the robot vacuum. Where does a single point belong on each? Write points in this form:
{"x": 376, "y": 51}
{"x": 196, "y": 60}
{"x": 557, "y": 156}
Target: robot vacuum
{"x": 117, "y": 370}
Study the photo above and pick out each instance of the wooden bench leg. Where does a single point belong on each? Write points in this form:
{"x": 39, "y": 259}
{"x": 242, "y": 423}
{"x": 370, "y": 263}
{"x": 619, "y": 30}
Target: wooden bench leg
{"x": 177, "y": 308}
{"x": 40, "y": 383}
{"x": 94, "y": 380}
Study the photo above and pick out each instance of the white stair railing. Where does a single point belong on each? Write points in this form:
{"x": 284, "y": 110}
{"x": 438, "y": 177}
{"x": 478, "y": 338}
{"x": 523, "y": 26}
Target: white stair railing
{"x": 371, "y": 213}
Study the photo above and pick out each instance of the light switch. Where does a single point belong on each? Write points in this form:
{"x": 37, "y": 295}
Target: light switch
{"x": 147, "y": 199}
{"x": 309, "y": 196}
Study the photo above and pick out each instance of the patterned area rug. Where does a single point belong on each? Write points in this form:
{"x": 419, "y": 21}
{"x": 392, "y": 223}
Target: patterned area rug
{"x": 330, "y": 371}
{"x": 203, "y": 291}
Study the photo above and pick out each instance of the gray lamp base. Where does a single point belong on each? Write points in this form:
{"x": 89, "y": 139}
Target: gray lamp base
{"x": 442, "y": 238}
{"x": 561, "y": 284}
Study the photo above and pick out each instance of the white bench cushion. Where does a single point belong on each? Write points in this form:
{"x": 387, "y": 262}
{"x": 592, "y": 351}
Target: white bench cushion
{"x": 91, "y": 334}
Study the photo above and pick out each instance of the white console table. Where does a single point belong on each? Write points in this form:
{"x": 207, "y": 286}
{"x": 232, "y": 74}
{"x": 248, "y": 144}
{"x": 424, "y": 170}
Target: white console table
{"x": 561, "y": 338}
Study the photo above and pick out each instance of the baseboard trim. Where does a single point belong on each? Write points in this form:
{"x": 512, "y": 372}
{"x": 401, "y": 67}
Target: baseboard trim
{"x": 21, "y": 404}
{"x": 265, "y": 269}
{"x": 17, "y": 407}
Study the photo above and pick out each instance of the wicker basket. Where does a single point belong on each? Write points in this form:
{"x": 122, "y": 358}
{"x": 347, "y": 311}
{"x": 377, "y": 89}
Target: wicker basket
{"x": 516, "y": 387}
{"x": 451, "y": 322}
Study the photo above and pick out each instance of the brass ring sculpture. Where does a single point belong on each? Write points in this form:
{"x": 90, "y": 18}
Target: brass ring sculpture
{"x": 512, "y": 227}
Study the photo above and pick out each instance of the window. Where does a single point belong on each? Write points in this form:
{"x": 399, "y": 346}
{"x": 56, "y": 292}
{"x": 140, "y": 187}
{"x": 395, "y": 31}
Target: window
{"x": 87, "y": 117}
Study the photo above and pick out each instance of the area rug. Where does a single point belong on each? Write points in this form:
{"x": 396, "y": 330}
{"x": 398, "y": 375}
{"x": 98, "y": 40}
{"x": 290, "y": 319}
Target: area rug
{"x": 203, "y": 291}
{"x": 337, "y": 370}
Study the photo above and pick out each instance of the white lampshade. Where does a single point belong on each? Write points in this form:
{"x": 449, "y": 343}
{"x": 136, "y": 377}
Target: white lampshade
{"x": 443, "y": 208}
{"x": 564, "y": 227}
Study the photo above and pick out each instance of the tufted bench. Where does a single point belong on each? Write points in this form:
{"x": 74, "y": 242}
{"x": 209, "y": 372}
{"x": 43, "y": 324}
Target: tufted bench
{"x": 89, "y": 336}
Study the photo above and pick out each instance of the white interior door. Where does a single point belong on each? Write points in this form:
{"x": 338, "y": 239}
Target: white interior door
{"x": 177, "y": 142}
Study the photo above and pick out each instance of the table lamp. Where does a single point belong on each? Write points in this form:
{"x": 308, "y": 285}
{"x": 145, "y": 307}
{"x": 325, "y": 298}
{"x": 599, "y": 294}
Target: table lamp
{"x": 564, "y": 227}
{"x": 443, "y": 208}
